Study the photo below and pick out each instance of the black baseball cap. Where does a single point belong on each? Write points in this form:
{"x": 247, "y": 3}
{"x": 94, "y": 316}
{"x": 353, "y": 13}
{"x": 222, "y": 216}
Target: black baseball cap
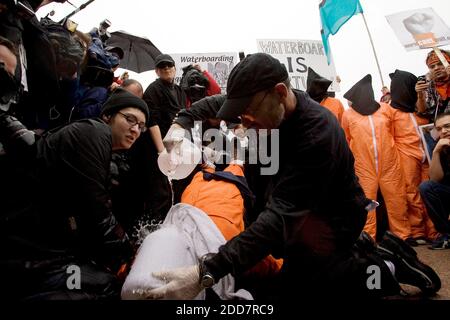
{"x": 257, "y": 72}
{"x": 163, "y": 58}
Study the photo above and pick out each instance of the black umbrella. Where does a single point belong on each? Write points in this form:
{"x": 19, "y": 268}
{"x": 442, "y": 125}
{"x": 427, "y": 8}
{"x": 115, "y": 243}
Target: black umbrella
{"x": 139, "y": 53}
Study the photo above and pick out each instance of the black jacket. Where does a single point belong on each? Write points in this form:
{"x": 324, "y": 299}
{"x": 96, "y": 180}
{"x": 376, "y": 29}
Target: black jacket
{"x": 66, "y": 207}
{"x": 317, "y": 177}
{"x": 163, "y": 105}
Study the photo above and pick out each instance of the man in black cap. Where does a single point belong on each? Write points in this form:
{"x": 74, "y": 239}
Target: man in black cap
{"x": 316, "y": 209}
{"x": 164, "y": 99}
{"x": 61, "y": 223}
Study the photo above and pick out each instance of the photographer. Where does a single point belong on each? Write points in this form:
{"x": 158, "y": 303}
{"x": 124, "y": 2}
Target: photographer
{"x": 96, "y": 77}
{"x": 56, "y": 210}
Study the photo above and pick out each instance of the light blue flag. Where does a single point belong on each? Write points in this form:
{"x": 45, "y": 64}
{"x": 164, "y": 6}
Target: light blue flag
{"x": 333, "y": 15}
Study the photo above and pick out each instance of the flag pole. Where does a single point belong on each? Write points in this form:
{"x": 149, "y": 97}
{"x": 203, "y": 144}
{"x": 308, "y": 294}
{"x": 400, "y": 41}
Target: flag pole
{"x": 84, "y": 5}
{"x": 373, "y": 48}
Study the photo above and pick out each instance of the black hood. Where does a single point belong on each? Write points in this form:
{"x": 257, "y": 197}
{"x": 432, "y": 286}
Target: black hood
{"x": 362, "y": 97}
{"x": 317, "y": 86}
{"x": 403, "y": 90}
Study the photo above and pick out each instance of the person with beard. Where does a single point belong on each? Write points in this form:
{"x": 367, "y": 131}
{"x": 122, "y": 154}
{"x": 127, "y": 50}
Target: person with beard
{"x": 436, "y": 192}
{"x": 369, "y": 129}
{"x": 433, "y": 97}
{"x": 317, "y": 88}
{"x": 433, "y": 92}
{"x": 197, "y": 84}
{"x": 411, "y": 152}
{"x": 316, "y": 209}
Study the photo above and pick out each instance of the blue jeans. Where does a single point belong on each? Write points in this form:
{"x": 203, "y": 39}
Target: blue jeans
{"x": 436, "y": 197}
{"x": 431, "y": 144}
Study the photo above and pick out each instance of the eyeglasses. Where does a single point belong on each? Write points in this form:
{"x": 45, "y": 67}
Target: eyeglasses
{"x": 163, "y": 65}
{"x": 444, "y": 126}
{"x": 132, "y": 121}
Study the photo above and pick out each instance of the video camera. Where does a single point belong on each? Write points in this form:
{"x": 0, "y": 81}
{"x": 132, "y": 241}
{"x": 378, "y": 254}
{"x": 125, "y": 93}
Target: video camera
{"x": 16, "y": 139}
{"x": 103, "y": 30}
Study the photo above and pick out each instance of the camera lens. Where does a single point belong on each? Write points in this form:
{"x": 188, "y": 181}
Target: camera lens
{"x": 15, "y": 137}
{"x": 105, "y": 24}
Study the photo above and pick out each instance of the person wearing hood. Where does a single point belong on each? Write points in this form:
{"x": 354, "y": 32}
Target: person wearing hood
{"x": 411, "y": 152}
{"x": 317, "y": 88}
{"x": 369, "y": 130}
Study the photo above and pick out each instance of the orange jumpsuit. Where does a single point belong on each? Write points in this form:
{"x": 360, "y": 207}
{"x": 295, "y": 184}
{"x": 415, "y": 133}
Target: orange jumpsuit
{"x": 223, "y": 203}
{"x": 412, "y": 158}
{"x": 377, "y": 165}
{"x": 335, "y": 106}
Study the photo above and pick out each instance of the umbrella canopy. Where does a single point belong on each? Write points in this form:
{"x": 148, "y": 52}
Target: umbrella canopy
{"x": 139, "y": 53}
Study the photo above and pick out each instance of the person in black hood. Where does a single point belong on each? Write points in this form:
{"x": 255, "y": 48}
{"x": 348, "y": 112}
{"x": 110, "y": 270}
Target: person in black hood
{"x": 411, "y": 151}
{"x": 362, "y": 97}
{"x": 403, "y": 93}
{"x": 368, "y": 127}
{"x": 317, "y": 88}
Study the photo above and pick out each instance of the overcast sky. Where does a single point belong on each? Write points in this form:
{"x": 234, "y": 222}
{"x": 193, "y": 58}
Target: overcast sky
{"x": 198, "y": 26}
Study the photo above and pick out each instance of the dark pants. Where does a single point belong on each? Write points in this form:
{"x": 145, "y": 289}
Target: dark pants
{"x": 436, "y": 197}
{"x": 319, "y": 264}
{"x": 54, "y": 280}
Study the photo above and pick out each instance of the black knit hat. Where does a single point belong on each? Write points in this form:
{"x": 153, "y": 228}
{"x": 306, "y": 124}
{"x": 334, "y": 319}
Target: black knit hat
{"x": 257, "y": 72}
{"x": 121, "y": 99}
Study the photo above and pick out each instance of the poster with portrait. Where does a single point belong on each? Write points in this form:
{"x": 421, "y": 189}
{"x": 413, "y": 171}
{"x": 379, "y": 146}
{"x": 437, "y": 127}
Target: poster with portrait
{"x": 419, "y": 29}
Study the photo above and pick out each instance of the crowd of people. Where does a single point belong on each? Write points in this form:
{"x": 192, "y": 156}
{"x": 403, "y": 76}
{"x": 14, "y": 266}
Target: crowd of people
{"x": 81, "y": 185}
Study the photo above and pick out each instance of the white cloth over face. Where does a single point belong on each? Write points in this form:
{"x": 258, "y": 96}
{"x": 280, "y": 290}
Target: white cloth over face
{"x": 186, "y": 234}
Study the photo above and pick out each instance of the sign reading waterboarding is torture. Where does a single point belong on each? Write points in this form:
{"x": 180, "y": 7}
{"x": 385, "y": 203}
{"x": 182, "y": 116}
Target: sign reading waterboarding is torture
{"x": 297, "y": 56}
{"x": 419, "y": 29}
{"x": 218, "y": 65}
